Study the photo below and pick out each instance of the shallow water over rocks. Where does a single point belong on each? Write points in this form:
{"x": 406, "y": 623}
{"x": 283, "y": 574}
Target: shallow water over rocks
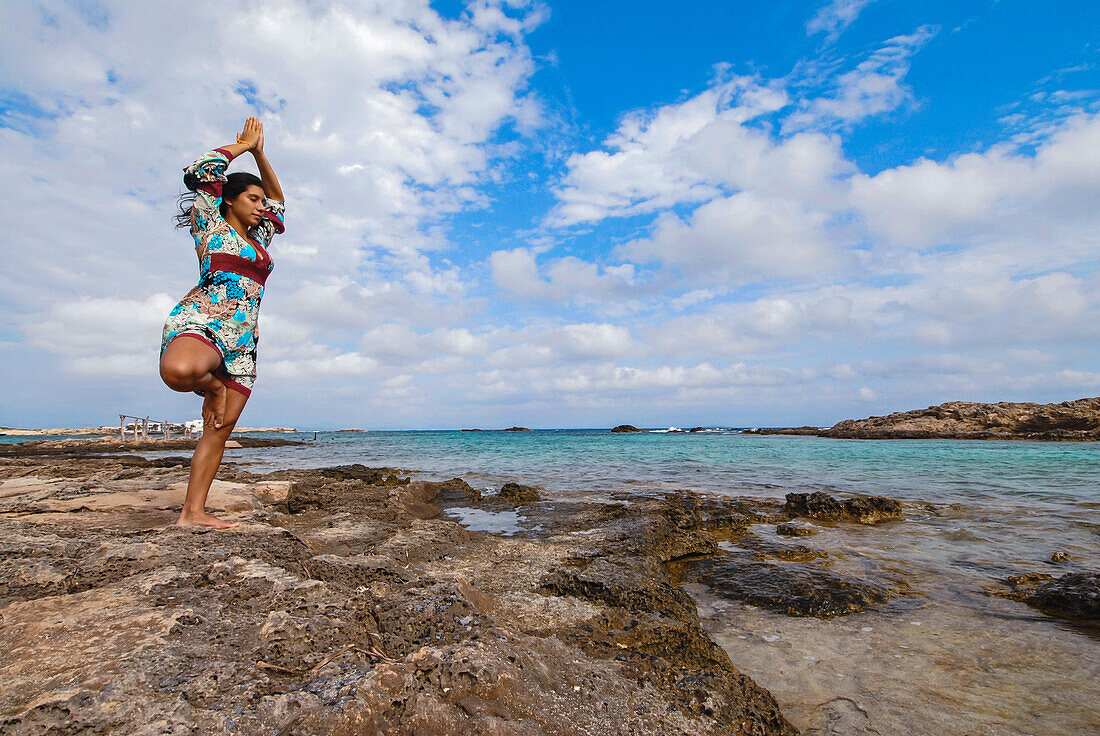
{"x": 945, "y": 657}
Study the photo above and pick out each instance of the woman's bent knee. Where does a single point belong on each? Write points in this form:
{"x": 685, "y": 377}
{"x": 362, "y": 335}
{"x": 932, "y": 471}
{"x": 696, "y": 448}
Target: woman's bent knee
{"x": 180, "y": 376}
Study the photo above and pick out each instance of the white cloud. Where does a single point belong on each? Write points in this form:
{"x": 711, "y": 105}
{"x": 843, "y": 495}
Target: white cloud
{"x": 595, "y": 340}
{"x": 740, "y": 239}
{"x": 760, "y": 328}
{"x": 1001, "y": 193}
{"x": 656, "y": 160}
{"x": 106, "y": 336}
{"x": 875, "y": 86}
{"x": 695, "y": 296}
{"x": 835, "y": 16}
{"x": 517, "y": 273}
{"x": 320, "y": 367}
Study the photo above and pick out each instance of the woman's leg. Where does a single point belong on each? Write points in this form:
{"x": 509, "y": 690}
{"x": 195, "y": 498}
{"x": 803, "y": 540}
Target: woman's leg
{"x": 205, "y": 463}
{"x": 188, "y": 364}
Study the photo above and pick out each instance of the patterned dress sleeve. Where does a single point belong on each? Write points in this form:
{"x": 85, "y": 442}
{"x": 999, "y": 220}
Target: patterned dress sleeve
{"x": 272, "y": 222}
{"x": 205, "y": 176}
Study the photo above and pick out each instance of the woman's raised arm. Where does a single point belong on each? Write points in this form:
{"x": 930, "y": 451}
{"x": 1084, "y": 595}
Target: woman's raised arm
{"x": 272, "y": 190}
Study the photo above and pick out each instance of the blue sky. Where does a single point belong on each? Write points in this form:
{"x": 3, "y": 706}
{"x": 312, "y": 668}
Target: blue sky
{"x": 565, "y": 214}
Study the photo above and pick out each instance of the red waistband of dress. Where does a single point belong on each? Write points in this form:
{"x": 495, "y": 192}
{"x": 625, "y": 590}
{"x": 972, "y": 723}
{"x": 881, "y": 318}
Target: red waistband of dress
{"x": 238, "y": 265}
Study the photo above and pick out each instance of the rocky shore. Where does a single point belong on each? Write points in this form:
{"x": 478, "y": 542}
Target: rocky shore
{"x": 965, "y": 420}
{"x": 349, "y": 601}
{"x": 345, "y": 603}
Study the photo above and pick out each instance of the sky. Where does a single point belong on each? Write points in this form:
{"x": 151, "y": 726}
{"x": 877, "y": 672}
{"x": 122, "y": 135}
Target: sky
{"x": 563, "y": 213}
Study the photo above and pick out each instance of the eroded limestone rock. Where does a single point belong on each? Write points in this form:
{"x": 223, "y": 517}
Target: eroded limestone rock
{"x": 348, "y": 604}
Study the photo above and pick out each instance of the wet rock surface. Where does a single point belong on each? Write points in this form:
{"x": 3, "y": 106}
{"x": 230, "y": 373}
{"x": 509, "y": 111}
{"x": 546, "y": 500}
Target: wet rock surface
{"x": 794, "y": 530}
{"x": 864, "y": 510}
{"x": 1074, "y": 596}
{"x": 792, "y": 589}
{"x": 346, "y": 603}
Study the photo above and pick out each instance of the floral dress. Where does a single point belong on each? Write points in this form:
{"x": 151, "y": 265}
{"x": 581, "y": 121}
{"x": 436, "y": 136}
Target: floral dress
{"x": 222, "y": 311}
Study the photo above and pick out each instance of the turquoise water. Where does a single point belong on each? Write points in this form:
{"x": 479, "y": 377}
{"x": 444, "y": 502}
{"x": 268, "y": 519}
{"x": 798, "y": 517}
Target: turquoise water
{"x": 721, "y": 462}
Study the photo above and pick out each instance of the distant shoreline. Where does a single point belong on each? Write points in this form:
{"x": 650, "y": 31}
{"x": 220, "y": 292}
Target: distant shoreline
{"x": 1068, "y": 421}
{"x": 63, "y": 431}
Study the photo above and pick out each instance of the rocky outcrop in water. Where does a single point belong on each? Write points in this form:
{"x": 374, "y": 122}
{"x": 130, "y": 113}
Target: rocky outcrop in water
{"x": 793, "y": 530}
{"x": 796, "y": 590}
{"x": 625, "y": 428}
{"x": 803, "y": 430}
{"x": 967, "y": 420}
{"x": 1074, "y": 596}
{"x": 864, "y": 510}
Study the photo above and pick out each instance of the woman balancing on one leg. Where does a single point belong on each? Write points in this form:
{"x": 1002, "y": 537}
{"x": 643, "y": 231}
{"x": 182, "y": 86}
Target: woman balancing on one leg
{"x": 209, "y": 341}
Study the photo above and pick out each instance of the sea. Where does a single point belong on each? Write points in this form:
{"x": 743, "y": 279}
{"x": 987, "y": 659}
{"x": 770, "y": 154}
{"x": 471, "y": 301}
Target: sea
{"x": 946, "y": 656}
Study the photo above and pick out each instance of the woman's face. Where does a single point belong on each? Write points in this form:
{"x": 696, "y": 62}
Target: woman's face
{"x": 248, "y": 206}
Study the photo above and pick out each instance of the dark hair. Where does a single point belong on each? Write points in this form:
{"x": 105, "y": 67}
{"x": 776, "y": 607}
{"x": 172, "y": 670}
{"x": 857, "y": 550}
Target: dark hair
{"x": 235, "y": 183}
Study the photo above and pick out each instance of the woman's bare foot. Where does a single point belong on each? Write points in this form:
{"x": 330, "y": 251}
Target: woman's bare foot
{"x": 213, "y": 406}
{"x": 204, "y": 519}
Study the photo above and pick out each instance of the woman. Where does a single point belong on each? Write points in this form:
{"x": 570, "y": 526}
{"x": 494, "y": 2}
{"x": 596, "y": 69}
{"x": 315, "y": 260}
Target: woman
{"x": 232, "y": 219}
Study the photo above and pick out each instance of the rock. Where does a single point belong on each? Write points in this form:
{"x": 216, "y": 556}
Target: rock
{"x": 786, "y": 552}
{"x": 793, "y": 589}
{"x": 803, "y": 430}
{"x": 515, "y": 494}
{"x": 1074, "y": 596}
{"x": 865, "y": 510}
{"x": 1069, "y": 420}
{"x": 169, "y": 462}
{"x": 516, "y": 429}
{"x": 371, "y": 476}
{"x": 628, "y": 428}
{"x": 1028, "y": 579}
{"x": 732, "y": 515}
{"x": 1059, "y": 557}
{"x": 794, "y": 530}
{"x": 968, "y": 420}
{"x": 53, "y": 495}
{"x": 458, "y": 490}
{"x": 628, "y": 586}
{"x": 363, "y": 611}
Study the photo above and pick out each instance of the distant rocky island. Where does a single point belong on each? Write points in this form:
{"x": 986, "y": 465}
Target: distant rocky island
{"x": 509, "y": 429}
{"x": 627, "y": 428}
{"x": 967, "y": 420}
